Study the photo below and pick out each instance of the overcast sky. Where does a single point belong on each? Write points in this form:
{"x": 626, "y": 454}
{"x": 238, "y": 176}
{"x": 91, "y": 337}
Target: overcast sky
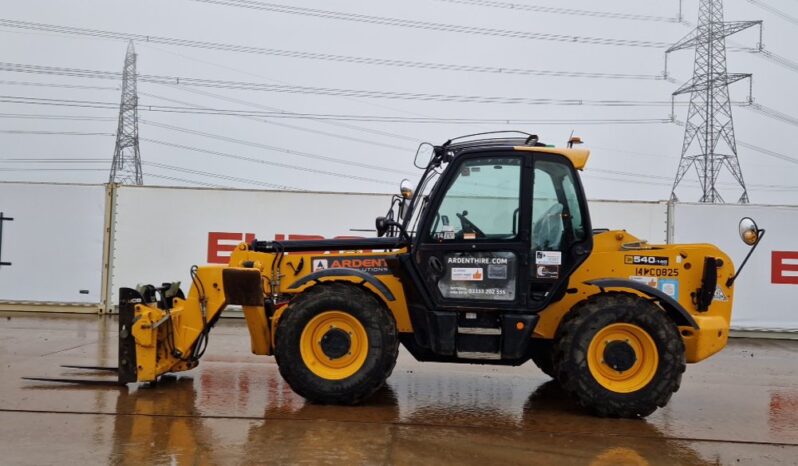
{"x": 629, "y": 161}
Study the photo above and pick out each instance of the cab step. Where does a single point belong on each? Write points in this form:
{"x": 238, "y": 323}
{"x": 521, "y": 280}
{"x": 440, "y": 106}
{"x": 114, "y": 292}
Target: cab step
{"x": 479, "y": 331}
{"x": 478, "y": 355}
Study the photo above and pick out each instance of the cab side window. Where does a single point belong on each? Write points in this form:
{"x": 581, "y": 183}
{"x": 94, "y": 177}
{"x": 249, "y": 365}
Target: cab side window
{"x": 481, "y": 203}
{"x": 556, "y": 215}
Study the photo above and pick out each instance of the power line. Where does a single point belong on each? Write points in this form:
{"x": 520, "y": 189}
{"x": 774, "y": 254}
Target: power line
{"x": 266, "y": 162}
{"x": 42, "y": 116}
{"x": 346, "y": 117}
{"x": 38, "y": 160}
{"x": 281, "y": 111}
{"x": 53, "y": 170}
{"x": 397, "y": 63}
{"x": 761, "y": 150}
{"x": 438, "y": 27}
{"x": 778, "y": 59}
{"x": 642, "y": 178}
{"x": 103, "y": 160}
{"x": 276, "y": 149}
{"x": 775, "y": 114}
{"x": 337, "y": 135}
{"x": 563, "y": 11}
{"x": 167, "y": 167}
{"x": 768, "y": 152}
{"x": 53, "y": 133}
{"x": 467, "y": 121}
{"x": 61, "y": 86}
{"x": 184, "y": 180}
{"x": 25, "y": 100}
{"x": 335, "y": 92}
{"x": 220, "y": 176}
{"x": 781, "y": 14}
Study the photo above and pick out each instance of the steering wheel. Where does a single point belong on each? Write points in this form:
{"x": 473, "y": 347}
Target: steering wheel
{"x": 468, "y": 225}
{"x": 547, "y": 231}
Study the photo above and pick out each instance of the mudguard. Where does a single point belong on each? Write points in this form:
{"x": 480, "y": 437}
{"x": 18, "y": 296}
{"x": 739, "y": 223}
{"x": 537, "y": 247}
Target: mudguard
{"x": 675, "y": 310}
{"x": 345, "y": 272}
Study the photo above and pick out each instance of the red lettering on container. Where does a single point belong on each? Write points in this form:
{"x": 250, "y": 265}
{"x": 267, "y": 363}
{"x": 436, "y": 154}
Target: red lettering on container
{"x": 220, "y": 244}
{"x": 778, "y": 267}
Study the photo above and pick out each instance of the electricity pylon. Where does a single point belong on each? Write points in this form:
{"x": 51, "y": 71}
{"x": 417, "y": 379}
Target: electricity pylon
{"x": 709, "y": 117}
{"x": 126, "y": 166}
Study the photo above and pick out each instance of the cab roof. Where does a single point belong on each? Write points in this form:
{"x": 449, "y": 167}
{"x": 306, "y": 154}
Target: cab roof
{"x": 530, "y": 143}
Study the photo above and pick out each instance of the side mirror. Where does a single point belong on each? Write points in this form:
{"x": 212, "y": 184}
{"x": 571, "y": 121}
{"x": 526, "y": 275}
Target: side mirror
{"x": 382, "y": 226}
{"x": 424, "y": 155}
{"x": 751, "y": 235}
{"x": 749, "y": 232}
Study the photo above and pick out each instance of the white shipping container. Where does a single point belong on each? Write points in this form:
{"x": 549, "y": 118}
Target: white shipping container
{"x": 54, "y": 243}
{"x": 645, "y": 220}
{"x": 159, "y": 233}
{"x": 767, "y": 291}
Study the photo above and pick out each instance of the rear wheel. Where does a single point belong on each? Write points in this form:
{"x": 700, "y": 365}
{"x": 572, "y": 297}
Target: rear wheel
{"x": 336, "y": 344}
{"x": 620, "y": 355}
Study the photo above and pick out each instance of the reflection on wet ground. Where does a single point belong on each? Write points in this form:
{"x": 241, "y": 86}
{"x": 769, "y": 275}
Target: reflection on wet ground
{"x": 741, "y": 406}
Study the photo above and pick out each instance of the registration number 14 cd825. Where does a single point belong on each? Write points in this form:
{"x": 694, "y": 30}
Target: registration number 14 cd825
{"x": 656, "y": 272}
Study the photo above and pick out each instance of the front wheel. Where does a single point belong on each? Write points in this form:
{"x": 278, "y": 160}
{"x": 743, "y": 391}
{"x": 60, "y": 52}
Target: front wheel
{"x": 336, "y": 344}
{"x": 620, "y": 355}
{"x": 542, "y": 355}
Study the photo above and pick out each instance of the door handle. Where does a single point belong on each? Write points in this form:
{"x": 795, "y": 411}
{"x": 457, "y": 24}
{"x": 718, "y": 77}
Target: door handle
{"x": 435, "y": 265}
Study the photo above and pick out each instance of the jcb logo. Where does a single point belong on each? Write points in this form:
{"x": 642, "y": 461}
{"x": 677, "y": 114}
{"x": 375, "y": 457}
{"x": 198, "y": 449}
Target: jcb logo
{"x": 646, "y": 260}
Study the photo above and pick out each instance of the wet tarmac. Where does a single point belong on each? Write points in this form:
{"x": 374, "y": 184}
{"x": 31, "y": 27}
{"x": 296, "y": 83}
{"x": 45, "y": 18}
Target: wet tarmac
{"x": 740, "y": 407}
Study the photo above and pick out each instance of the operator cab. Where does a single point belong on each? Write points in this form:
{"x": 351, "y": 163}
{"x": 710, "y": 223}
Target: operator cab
{"x": 503, "y": 226}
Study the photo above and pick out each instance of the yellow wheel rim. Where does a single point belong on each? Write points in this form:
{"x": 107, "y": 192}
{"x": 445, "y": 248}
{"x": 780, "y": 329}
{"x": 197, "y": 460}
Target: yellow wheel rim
{"x": 622, "y": 358}
{"x": 334, "y": 345}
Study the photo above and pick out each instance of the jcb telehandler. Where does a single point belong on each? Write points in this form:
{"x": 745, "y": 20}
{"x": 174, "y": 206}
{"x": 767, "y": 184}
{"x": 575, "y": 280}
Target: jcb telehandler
{"x": 491, "y": 260}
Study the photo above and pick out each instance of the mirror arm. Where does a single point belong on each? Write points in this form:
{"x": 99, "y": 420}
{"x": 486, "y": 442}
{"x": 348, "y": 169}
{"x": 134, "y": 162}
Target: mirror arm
{"x": 730, "y": 281}
{"x": 401, "y": 228}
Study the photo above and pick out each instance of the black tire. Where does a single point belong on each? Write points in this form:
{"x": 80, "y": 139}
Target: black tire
{"x": 585, "y": 321}
{"x": 382, "y": 344}
{"x": 543, "y": 355}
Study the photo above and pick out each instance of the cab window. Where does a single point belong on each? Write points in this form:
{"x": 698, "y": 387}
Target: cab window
{"x": 481, "y": 203}
{"x": 556, "y": 215}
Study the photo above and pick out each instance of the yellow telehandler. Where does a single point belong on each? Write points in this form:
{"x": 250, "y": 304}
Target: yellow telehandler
{"x": 492, "y": 259}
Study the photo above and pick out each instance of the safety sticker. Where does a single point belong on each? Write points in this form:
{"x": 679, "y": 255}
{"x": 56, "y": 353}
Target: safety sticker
{"x": 467, "y": 274}
{"x": 497, "y": 272}
{"x": 548, "y": 271}
{"x": 320, "y": 264}
{"x": 646, "y": 260}
{"x": 719, "y": 295}
{"x": 469, "y": 236}
{"x": 650, "y": 281}
{"x": 670, "y": 288}
{"x": 448, "y": 235}
{"x": 548, "y": 258}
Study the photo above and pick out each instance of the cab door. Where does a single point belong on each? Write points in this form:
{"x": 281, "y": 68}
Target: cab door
{"x": 560, "y": 233}
{"x": 473, "y": 245}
